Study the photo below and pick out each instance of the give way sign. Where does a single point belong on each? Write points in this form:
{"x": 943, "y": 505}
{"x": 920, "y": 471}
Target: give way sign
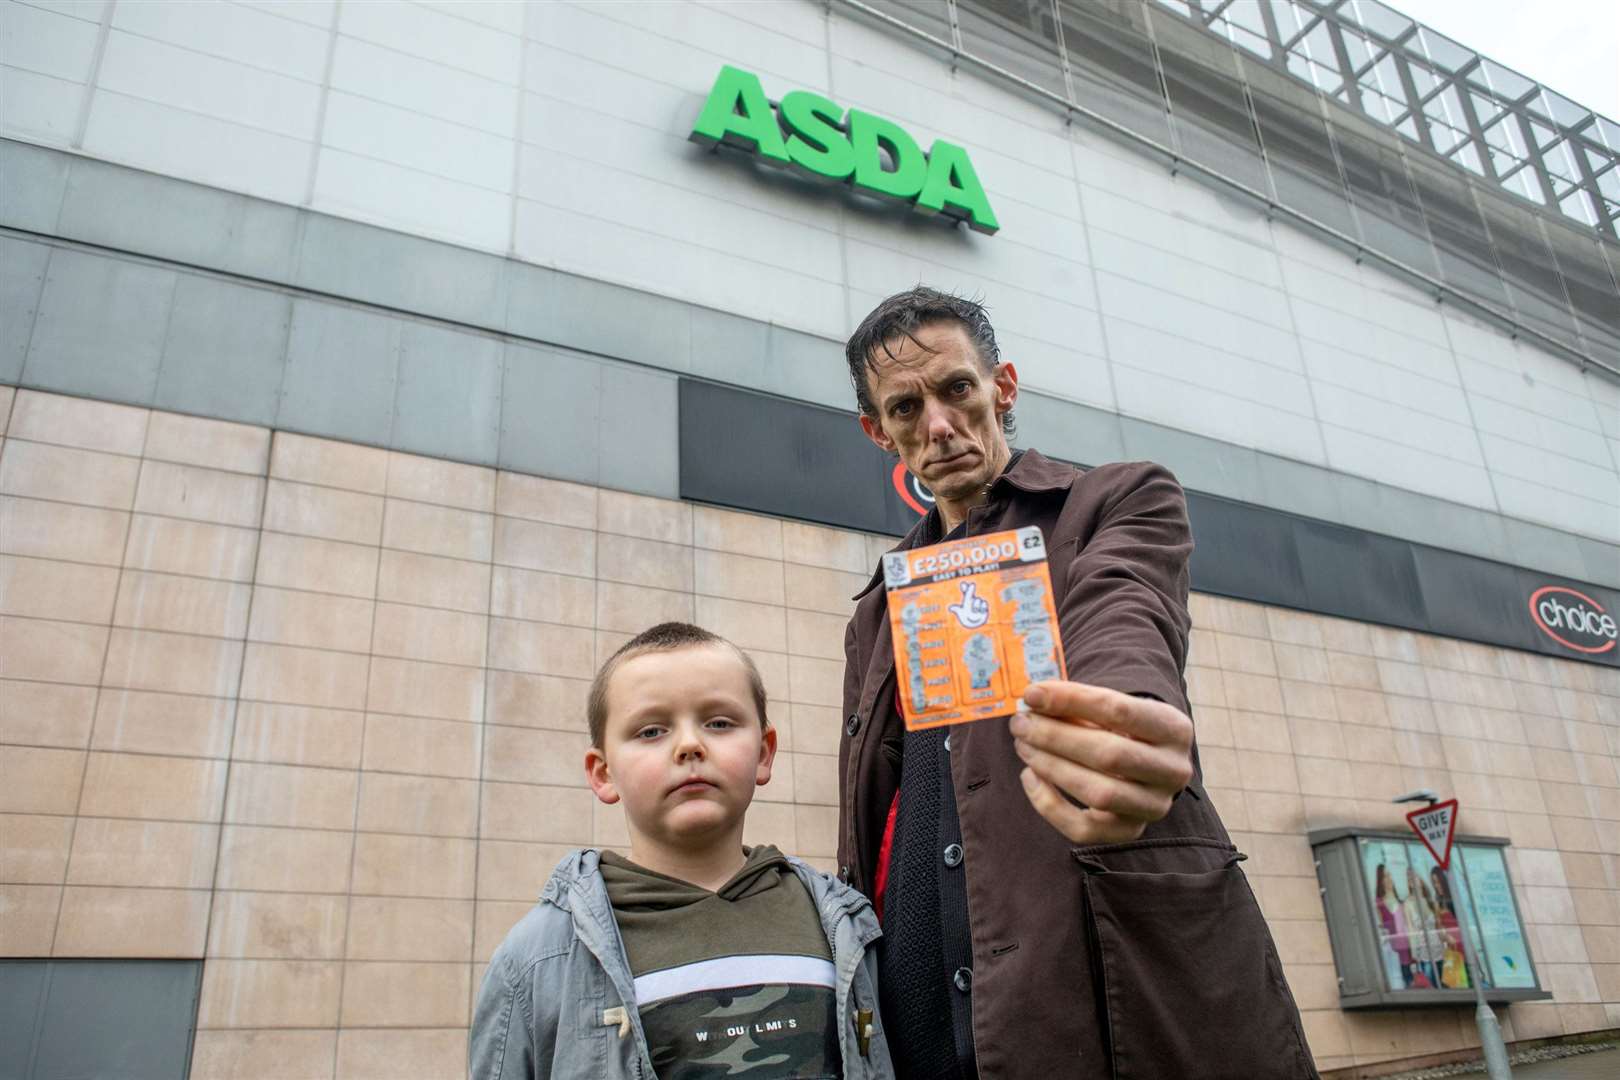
{"x": 1436, "y": 826}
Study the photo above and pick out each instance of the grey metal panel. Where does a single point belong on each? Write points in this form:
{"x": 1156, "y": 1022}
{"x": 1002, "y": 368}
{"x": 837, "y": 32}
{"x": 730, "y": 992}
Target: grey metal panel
{"x": 22, "y": 994}
{"x": 596, "y": 317}
{"x": 807, "y": 367}
{"x": 100, "y": 327}
{"x": 449, "y": 400}
{"x": 226, "y": 350}
{"x": 1602, "y": 561}
{"x": 1390, "y": 510}
{"x": 640, "y": 431}
{"x": 1064, "y": 429}
{"x": 32, "y": 180}
{"x": 22, "y": 278}
{"x": 342, "y": 369}
{"x": 1299, "y": 488}
{"x": 729, "y": 348}
{"x": 550, "y": 422}
{"x": 363, "y": 262}
{"x": 1199, "y": 463}
{"x": 166, "y": 218}
{"x": 1529, "y": 544}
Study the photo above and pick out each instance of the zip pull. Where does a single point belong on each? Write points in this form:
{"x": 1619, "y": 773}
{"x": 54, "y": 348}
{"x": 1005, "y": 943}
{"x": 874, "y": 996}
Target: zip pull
{"x": 617, "y": 1015}
{"x": 864, "y": 1031}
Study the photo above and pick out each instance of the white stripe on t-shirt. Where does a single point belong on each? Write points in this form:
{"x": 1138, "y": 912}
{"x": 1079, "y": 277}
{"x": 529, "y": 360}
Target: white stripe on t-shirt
{"x": 732, "y": 971}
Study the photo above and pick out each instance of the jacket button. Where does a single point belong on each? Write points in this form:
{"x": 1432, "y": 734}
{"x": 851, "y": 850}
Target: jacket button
{"x": 953, "y": 855}
{"x": 852, "y": 725}
{"x": 843, "y": 874}
{"x": 963, "y": 979}
{"x": 947, "y": 744}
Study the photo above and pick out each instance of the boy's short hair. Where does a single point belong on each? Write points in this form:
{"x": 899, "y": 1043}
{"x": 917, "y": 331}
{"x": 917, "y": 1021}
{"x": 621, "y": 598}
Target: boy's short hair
{"x": 664, "y": 637}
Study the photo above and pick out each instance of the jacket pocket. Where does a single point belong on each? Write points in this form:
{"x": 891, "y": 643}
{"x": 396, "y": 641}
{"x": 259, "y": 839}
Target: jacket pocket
{"x": 1188, "y": 981}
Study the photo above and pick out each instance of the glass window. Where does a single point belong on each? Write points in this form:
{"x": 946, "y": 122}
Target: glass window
{"x": 1300, "y": 154}
{"x": 929, "y": 16}
{"x": 1208, "y": 108}
{"x": 1460, "y": 240}
{"x": 1015, "y": 35}
{"x": 1592, "y": 290}
{"x": 1504, "y": 958}
{"x": 1534, "y": 285}
{"x": 1112, "y": 66}
{"x": 1388, "y": 217}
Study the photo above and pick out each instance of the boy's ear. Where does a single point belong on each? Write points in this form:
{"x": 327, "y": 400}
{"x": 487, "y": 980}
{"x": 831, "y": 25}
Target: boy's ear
{"x": 767, "y": 754}
{"x": 597, "y": 775}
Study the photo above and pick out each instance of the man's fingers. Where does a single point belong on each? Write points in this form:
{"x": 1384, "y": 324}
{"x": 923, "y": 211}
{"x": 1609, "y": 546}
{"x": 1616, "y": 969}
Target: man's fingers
{"x": 1078, "y": 826}
{"x": 1126, "y": 798}
{"x": 1140, "y": 718}
{"x": 1167, "y": 766}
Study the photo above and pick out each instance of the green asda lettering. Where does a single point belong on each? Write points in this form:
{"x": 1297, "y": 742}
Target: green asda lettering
{"x": 809, "y": 132}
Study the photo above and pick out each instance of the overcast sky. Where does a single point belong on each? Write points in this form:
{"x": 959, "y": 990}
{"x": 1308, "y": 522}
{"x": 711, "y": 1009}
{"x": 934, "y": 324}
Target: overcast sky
{"x": 1571, "y": 46}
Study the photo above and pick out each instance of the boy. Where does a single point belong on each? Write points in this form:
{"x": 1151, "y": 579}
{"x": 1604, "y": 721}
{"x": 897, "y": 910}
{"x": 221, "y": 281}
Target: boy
{"x": 696, "y": 956}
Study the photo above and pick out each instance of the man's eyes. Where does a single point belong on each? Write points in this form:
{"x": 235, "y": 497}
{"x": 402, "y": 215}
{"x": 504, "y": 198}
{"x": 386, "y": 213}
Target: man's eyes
{"x": 961, "y": 386}
{"x": 903, "y": 408}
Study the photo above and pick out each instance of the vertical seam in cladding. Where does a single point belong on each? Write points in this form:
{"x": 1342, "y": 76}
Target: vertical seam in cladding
{"x": 319, "y": 135}
{"x": 33, "y": 323}
{"x": 82, "y": 122}
{"x": 1293, "y": 325}
{"x": 519, "y": 115}
{"x": 1468, "y": 404}
{"x": 1096, "y": 286}
{"x": 838, "y": 204}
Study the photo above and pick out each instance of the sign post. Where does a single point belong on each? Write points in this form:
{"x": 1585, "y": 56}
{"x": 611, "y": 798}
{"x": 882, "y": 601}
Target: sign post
{"x": 1436, "y": 826}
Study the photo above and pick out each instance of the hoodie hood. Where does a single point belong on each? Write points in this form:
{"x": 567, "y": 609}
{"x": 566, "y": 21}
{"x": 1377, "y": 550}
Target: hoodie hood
{"x": 634, "y": 888}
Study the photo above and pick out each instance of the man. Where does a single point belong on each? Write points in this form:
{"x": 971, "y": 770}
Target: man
{"x": 1059, "y": 898}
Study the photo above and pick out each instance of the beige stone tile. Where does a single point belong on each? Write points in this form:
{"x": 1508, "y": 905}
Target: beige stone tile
{"x": 46, "y": 714}
{"x": 8, "y": 395}
{"x": 1301, "y": 662}
{"x": 81, "y": 422}
{"x": 1361, "y": 707}
{"x": 1316, "y": 738}
{"x": 644, "y": 517}
{"x": 311, "y": 619}
{"x": 48, "y": 651}
{"x": 172, "y": 663}
{"x": 1260, "y": 731}
{"x": 1235, "y": 617}
{"x": 256, "y": 858}
{"x": 1602, "y": 944}
{"x": 418, "y": 688}
{"x": 35, "y": 851}
{"x": 539, "y": 499}
{"x": 782, "y": 786}
{"x": 59, "y": 531}
{"x": 817, "y": 729}
{"x": 443, "y": 483}
{"x": 815, "y": 779}
{"x": 195, "y": 494}
{"x": 1255, "y": 693}
{"x": 328, "y": 462}
{"x": 49, "y": 589}
{"x": 815, "y": 682}
{"x": 524, "y": 755}
{"x": 434, "y": 581}
{"x": 1336, "y": 779}
{"x": 377, "y": 994}
{"x": 299, "y": 562}
{"x": 163, "y": 854}
{"x": 438, "y": 530}
{"x": 543, "y": 597}
{"x": 421, "y": 805}
{"x": 327, "y": 513}
{"x": 635, "y": 561}
{"x": 817, "y": 589}
{"x": 432, "y": 634}
{"x": 298, "y": 735}
{"x": 432, "y": 1054}
{"x": 40, "y": 780}
{"x": 1395, "y": 677}
{"x": 509, "y": 870}
{"x": 409, "y": 744}
{"x": 816, "y": 545}
{"x": 1206, "y": 686}
{"x": 812, "y": 830}
{"x": 534, "y": 545}
{"x": 738, "y": 577}
{"x": 108, "y": 921}
{"x": 1245, "y": 654}
{"x": 631, "y": 609}
{"x": 556, "y": 815}
{"x": 494, "y": 920}
{"x": 429, "y": 866}
{"x": 150, "y": 786}
{"x": 183, "y": 605}
{"x": 749, "y": 626}
{"x": 542, "y": 648}
{"x": 293, "y": 676}
{"x": 168, "y": 545}
{"x": 544, "y": 701}
{"x": 737, "y": 533}
{"x": 269, "y": 993}
{"x": 1294, "y": 627}
{"x": 1295, "y": 898}
{"x": 1410, "y": 714}
{"x": 1574, "y": 835}
{"x": 30, "y": 919}
{"x": 60, "y": 473}
{"x": 609, "y": 828}
{"x": 1274, "y": 811}
{"x": 263, "y": 1055}
{"x": 1262, "y": 771}
{"x": 292, "y": 795}
{"x": 773, "y": 672}
{"x": 1359, "y": 672}
{"x": 276, "y": 926}
{"x": 395, "y": 928}
{"x": 216, "y": 444}
{"x": 609, "y": 642}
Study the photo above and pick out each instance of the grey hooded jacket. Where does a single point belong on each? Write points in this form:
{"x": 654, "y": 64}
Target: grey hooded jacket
{"x": 557, "y": 1001}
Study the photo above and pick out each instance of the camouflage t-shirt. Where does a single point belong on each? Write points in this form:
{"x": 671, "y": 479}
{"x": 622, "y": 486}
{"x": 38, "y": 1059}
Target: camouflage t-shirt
{"x": 734, "y": 983}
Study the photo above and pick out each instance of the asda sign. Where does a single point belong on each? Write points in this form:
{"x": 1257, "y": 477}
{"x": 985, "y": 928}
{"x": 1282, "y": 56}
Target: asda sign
{"x": 808, "y": 132}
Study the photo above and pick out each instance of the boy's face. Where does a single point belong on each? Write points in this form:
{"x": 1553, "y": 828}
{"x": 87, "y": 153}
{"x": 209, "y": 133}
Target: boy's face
{"x": 683, "y": 746}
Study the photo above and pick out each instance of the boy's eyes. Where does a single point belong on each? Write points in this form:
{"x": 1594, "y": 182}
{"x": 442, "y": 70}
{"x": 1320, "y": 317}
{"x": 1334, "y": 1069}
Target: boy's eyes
{"x": 653, "y": 731}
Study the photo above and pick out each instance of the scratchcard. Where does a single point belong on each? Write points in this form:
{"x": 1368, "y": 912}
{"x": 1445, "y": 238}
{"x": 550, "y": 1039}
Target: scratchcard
{"x": 973, "y": 623}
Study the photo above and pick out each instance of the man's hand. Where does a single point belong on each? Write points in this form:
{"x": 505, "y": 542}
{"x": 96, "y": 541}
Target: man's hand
{"x": 1124, "y": 757}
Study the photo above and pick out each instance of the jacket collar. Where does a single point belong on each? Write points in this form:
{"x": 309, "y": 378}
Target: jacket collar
{"x": 1033, "y": 473}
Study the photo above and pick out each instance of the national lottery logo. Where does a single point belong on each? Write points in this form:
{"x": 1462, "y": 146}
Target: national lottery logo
{"x": 1573, "y": 619}
{"x": 912, "y": 491}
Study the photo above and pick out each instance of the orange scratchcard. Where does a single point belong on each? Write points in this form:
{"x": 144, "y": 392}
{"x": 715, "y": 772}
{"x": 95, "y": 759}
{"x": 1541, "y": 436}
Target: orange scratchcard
{"x": 973, "y": 624}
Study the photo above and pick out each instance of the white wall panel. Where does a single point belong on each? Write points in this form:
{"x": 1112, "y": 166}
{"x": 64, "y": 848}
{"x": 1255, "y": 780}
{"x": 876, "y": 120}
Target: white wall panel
{"x": 424, "y": 86}
{"x": 318, "y": 13}
{"x": 46, "y": 42}
{"x": 802, "y": 22}
{"x": 1068, "y": 373}
{"x": 1150, "y": 349}
{"x": 1180, "y": 404}
{"x": 1566, "y": 437}
{"x": 503, "y": 15}
{"x": 435, "y": 35}
{"x": 1378, "y": 459}
{"x": 1194, "y": 320}
{"x": 564, "y": 77}
{"x": 386, "y": 194}
{"x": 1513, "y": 457}
{"x": 1386, "y": 381}
{"x": 252, "y": 36}
{"x": 38, "y": 107}
{"x": 1536, "y": 501}
{"x": 402, "y": 137}
{"x": 1396, "y": 423}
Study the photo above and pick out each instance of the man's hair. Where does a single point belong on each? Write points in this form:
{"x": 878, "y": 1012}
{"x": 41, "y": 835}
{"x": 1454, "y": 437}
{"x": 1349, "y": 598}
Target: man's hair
{"x": 901, "y": 316}
{"x": 665, "y": 637}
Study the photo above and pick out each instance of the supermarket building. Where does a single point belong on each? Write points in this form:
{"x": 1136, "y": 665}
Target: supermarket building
{"x": 370, "y": 370}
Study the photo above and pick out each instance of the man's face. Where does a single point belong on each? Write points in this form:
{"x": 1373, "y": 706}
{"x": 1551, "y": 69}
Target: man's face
{"x": 683, "y": 746}
{"x": 940, "y": 409}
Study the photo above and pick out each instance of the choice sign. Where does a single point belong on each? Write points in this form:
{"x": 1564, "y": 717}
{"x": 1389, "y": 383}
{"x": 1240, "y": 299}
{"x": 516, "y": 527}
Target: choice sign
{"x": 1573, "y": 619}
{"x": 808, "y": 132}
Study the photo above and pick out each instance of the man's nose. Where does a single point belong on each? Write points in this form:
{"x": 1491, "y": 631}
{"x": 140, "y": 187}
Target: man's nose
{"x": 940, "y": 426}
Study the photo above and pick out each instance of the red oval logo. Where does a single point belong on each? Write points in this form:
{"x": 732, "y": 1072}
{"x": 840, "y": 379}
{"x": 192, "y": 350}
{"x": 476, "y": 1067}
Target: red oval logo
{"x": 1558, "y": 611}
{"x": 910, "y": 489}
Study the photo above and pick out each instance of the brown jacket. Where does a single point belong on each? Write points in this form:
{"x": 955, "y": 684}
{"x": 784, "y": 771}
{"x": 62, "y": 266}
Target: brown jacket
{"x": 1141, "y": 961}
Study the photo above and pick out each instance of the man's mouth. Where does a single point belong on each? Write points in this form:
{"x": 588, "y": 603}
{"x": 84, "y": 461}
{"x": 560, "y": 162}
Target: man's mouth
{"x": 952, "y": 460}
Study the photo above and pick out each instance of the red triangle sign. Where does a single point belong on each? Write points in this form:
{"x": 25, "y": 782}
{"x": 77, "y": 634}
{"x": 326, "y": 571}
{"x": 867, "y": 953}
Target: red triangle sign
{"x": 1436, "y": 826}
